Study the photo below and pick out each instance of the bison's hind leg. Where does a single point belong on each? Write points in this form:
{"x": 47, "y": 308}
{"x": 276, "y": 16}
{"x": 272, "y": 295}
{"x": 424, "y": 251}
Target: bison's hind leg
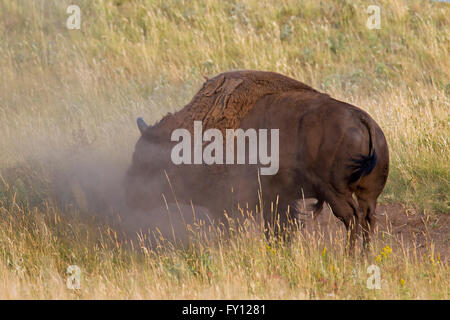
{"x": 367, "y": 204}
{"x": 346, "y": 209}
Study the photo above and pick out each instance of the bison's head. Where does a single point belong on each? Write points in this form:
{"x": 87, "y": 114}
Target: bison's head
{"x": 145, "y": 178}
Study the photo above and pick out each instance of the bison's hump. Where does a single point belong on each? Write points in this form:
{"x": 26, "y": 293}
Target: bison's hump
{"x": 224, "y": 100}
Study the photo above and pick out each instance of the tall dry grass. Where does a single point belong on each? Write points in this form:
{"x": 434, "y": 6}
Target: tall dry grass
{"x": 38, "y": 246}
{"x": 63, "y": 92}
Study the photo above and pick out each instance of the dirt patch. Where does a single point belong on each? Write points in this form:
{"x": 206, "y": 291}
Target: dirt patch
{"x": 408, "y": 228}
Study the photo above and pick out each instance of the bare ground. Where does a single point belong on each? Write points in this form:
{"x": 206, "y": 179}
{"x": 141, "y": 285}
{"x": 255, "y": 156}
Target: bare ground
{"x": 406, "y": 227}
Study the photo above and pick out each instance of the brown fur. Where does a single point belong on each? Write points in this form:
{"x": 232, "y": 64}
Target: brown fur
{"x": 224, "y": 100}
{"x": 321, "y": 140}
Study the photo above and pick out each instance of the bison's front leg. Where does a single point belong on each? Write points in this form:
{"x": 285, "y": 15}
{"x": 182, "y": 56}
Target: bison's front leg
{"x": 143, "y": 193}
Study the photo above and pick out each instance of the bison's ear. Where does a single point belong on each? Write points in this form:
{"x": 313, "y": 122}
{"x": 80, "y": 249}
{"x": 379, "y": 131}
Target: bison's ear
{"x": 141, "y": 125}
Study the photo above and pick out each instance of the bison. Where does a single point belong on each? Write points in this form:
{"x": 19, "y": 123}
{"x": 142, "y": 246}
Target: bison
{"x": 328, "y": 150}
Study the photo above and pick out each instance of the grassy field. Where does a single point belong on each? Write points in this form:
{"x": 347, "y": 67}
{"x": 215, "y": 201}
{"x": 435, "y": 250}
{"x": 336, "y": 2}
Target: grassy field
{"x": 68, "y": 104}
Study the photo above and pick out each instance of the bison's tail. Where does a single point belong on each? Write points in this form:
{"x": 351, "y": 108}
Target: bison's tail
{"x": 363, "y": 165}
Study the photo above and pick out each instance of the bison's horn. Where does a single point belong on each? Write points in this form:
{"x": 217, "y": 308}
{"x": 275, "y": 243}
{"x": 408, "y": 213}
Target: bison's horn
{"x": 141, "y": 124}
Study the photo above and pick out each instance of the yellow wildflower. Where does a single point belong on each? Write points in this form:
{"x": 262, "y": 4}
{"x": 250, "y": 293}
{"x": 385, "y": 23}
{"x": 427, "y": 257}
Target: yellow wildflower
{"x": 385, "y": 252}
